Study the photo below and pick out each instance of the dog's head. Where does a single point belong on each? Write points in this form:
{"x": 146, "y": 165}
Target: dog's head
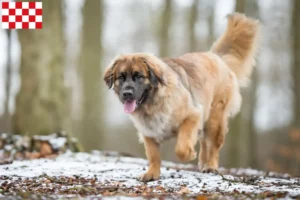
{"x": 134, "y": 78}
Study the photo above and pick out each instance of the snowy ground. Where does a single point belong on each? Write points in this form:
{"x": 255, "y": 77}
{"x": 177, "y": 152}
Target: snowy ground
{"x": 97, "y": 174}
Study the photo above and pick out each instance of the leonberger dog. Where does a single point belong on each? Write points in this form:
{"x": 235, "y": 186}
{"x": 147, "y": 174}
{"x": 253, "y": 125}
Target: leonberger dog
{"x": 190, "y": 97}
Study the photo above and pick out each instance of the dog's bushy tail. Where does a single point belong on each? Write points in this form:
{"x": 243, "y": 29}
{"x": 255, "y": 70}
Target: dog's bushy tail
{"x": 238, "y": 45}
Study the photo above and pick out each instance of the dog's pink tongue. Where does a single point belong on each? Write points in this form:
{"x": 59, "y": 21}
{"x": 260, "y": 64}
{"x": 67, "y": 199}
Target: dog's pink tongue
{"x": 129, "y": 106}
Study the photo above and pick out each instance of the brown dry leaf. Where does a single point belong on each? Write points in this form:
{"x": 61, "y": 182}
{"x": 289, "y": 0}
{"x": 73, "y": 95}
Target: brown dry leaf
{"x": 33, "y": 155}
{"x": 93, "y": 181}
{"x": 184, "y": 190}
{"x": 51, "y": 156}
{"x": 46, "y": 149}
{"x": 201, "y": 198}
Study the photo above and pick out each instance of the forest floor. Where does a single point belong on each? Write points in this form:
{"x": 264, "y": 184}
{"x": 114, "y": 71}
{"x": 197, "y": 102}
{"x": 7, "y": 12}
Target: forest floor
{"x": 100, "y": 175}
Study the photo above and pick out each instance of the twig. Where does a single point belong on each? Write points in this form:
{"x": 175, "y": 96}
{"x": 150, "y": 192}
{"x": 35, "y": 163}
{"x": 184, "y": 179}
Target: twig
{"x": 58, "y": 181}
{"x": 230, "y": 180}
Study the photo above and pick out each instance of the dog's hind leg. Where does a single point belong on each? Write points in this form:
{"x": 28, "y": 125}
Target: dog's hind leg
{"x": 203, "y": 151}
{"x": 214, "y": 134}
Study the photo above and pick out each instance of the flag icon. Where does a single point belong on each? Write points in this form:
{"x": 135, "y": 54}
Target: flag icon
{"x": 22, "y": 15}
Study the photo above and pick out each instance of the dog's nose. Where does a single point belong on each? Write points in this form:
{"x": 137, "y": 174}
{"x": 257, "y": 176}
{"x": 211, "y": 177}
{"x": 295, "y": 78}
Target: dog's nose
{"x": 128, "y": 94}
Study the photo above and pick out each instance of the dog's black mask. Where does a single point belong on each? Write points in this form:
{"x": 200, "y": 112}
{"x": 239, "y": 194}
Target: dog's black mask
{"x": 134, "y": 81}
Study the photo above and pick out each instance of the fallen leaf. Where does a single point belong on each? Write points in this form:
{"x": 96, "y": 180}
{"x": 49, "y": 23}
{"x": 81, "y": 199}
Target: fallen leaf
{"x": 184, "y": 190}
{"x": 201, "y": 198}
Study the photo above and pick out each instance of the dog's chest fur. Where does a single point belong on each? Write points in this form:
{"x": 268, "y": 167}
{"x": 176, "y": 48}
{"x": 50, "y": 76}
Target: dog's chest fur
{"x": 158, "y": 125}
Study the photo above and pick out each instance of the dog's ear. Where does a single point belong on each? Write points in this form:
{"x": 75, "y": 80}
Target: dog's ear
{"x": 155, "y": 70}
{"x": 109, "y": 76}
{"x": 154, "y": 79}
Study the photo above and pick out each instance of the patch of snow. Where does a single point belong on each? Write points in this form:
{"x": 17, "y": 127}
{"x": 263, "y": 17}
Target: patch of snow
{"x": 126, "y": 169}
{"x": 55, "y": 142}
{"x": 59, "y": 142}
{"x": 8, "y": 147}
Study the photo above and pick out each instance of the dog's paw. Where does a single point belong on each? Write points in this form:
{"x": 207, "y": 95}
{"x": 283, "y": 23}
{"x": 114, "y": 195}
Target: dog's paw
{"x": 149, "y": 176}
{"x": 209, "y": 170}
{"x": 185, "y": 152}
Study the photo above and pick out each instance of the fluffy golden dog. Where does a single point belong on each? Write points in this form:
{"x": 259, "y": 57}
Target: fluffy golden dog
{"x": 190, "y": 97}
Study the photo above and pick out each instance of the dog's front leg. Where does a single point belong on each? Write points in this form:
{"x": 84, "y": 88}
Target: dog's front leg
{"x": 187, "y": 138}
{"x": 153, "y": 155}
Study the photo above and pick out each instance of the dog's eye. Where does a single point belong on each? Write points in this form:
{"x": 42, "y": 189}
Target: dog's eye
{"x": 121, "y": 77}
{"x": 139, "y": 76}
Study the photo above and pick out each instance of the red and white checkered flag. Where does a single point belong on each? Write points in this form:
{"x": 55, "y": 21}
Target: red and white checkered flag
{"x": 22, "y": 15}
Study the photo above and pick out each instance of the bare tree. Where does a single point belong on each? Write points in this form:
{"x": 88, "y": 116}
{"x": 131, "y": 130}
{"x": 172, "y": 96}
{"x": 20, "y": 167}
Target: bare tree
{"x": 165, "y": 24}
{"x": 211, "y": 24}
{"x": 8, "y": 73}
{"x": 7, "y": 115}
{"x": 296, "y": 72}
{"x": 243, "y": 133}
{"x": 41, "y": 104}
{"x": 240, "y": 6}
{"x": 192, "y": 24}
{"x": 252, "y": 10}
{"x": 236, "y": 129}
{"x": 92, "y": 124}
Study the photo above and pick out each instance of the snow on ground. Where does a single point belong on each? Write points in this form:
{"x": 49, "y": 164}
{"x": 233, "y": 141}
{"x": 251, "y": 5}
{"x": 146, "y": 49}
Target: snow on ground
{"x": 101, "y": 170}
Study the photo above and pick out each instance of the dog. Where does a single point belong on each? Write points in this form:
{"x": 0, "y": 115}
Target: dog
{"x": 190, "y": 97}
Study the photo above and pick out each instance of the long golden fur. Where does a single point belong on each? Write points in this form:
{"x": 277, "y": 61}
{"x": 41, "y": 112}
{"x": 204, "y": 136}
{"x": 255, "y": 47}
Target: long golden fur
{"x": 194, "y": 95}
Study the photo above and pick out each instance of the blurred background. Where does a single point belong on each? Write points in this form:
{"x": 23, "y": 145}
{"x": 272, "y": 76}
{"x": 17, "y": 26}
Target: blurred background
{"x": 51, "y": 79}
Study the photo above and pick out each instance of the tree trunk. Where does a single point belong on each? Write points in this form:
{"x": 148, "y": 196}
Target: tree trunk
{"x": 235, "y": 128}
{"x": 8, "y": 73}
{"x": 211, "y": 25}
{"x": 7, "y": 115}
{"x": 244, "y": 128}
{"x": 92, "y": 124}
{"x": 296, "y": 72}
{"x": 240, "y": 6}
{"x": 252, "y": 10}
{"x": 192, "y": 24}
{"x": 41, "y": 104}
{"x": 164, "y": 29}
